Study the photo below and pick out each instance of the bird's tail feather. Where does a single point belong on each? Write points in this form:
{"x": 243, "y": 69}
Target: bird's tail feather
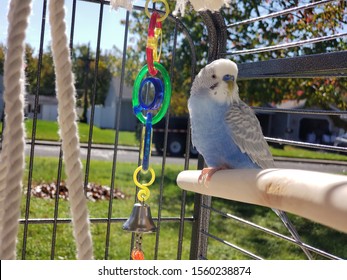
{"x": 291, "y": 228}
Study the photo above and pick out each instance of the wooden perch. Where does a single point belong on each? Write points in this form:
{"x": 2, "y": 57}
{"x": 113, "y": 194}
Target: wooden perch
{"x": 320, "y": 197}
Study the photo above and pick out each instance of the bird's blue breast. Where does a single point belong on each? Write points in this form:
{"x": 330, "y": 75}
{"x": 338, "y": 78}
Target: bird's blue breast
{"x": 212, "y": 137}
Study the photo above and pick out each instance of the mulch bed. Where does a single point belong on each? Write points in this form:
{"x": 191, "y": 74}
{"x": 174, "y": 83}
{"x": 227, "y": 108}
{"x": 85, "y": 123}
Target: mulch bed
{"x": 94, "y": 192}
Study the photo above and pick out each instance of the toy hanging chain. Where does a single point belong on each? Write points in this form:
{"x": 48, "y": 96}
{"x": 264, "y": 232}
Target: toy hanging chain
{"x": 140, "y": 220}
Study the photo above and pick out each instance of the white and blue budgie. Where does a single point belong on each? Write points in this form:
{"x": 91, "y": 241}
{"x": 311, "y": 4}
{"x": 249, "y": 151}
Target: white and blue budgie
{"x": 225, "y": 130}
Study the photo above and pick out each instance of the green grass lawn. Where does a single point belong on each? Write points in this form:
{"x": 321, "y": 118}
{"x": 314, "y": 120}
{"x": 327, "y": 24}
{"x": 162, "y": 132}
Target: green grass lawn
{"x": 294, "y": 152}
{"x": 45, "y": 170}
{"x": 48, "y": 130}
{"x": 40, "y": 235}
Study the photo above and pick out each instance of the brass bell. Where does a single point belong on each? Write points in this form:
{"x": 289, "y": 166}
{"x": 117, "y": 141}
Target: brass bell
{"x": 140, "y": 219}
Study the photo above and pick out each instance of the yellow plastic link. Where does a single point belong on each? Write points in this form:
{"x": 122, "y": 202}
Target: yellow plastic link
{"x": 152, "y": 43}
{"x": 156, "y": 54}
{"x": 167, "y": 9}
{"x": 144, "y": 193}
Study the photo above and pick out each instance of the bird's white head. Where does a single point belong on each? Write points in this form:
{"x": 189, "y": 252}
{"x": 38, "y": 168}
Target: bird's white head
{"x": 218, "y": 79}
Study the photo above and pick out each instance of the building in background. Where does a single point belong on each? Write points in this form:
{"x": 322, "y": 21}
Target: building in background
{"x": 47, "y": 108}
{"x": 105, "y": 116}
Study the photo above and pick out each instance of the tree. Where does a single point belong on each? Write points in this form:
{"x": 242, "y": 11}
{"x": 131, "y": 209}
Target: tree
{"x": 2, "y": 59}
{"x": 84, "y": 63}
{"x": 309, "y": 23}
{"x": 30, "y": 69}
{"x": 83, "y": 67}
{"x": 47, "y": 75}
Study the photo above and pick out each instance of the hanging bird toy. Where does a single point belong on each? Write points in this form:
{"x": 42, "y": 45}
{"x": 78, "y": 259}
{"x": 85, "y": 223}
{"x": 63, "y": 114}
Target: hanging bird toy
{"x": 140, "y": 220}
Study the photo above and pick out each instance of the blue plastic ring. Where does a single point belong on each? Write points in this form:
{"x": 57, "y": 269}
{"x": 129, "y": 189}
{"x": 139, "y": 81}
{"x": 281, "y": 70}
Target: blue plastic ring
{"x": 158, "y": 95}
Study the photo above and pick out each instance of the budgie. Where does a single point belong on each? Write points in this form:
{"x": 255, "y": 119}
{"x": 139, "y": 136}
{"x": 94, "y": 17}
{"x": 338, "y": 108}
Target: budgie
{"x": 224, "y": 129}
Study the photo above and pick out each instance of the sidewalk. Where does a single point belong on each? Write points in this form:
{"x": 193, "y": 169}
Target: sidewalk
{"x": 85, "y": 145}
{"x": 136, "y": 149}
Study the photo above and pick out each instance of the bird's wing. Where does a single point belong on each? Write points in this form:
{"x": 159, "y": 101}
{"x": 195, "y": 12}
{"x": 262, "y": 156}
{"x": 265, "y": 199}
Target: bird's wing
{"x": 246, "y": 132}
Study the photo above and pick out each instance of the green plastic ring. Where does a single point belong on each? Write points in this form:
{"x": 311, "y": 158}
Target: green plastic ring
{"x": 167, "y": 93}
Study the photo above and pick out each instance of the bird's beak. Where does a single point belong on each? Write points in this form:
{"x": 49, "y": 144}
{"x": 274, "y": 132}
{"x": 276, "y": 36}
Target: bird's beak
{"x": 229, "y": 79}
{"x": 230, "y": 87}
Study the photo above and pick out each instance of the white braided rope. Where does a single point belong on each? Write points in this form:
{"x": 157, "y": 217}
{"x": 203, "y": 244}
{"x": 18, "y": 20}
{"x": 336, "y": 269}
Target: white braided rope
{"x": 200, "y": 5}
{"x": 68, "y": 129}
{"x": 3, "y": 173}
{"x": 126, "y": 4}
{"x": 12, "y": 156}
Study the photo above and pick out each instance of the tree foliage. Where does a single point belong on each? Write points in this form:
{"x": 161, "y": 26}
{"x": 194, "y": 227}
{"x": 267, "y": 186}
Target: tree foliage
{"x": 47, "y": 76}
{"x": 84, "y": 63}
{"x": 322, "y": 20}
{"x": 2, "y": 59}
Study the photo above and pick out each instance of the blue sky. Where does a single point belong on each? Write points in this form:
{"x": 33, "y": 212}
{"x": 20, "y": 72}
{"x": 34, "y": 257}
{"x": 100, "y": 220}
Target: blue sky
{"x": 86, "y": 24}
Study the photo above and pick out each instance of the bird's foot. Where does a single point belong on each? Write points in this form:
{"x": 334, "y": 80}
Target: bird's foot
{"x": 206, "y": 174}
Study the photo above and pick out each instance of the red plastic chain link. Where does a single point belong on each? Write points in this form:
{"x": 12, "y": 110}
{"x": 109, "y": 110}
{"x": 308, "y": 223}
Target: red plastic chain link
{"x": 154, "y": 32}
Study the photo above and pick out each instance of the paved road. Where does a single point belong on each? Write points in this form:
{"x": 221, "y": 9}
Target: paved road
{"x": 124, "y": 154}
{"x": 131, "y": 155}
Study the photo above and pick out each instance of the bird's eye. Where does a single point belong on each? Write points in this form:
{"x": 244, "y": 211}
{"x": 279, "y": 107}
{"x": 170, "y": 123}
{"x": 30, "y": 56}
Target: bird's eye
{"x": 213, "y": 76}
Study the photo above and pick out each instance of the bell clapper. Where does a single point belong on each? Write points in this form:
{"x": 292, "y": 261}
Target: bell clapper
{"x": 137, "y": 253}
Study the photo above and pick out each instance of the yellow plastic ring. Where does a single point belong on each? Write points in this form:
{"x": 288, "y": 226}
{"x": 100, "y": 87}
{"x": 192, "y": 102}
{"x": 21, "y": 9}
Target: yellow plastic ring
{"x": 137, "y": 183}
{"x": 144, "y": 193}
{"x": 167, "y": 9}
